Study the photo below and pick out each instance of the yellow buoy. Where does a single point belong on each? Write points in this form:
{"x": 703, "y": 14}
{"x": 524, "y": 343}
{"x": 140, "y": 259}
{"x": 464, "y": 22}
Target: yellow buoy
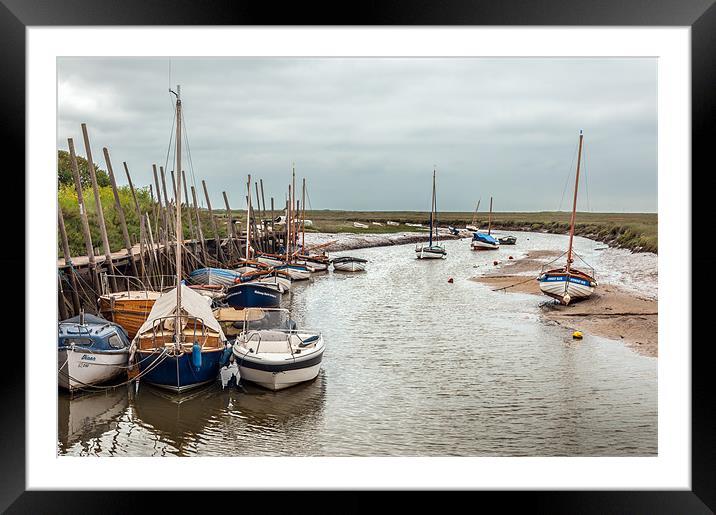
{"x": 577, "y": 335}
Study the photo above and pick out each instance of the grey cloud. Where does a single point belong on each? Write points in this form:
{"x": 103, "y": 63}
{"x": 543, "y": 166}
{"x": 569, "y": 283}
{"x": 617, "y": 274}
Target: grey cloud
{"x": 367, "y": 132}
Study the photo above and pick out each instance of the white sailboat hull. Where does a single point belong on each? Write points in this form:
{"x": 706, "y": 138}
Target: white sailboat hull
{"x": 269, "y": 261}
{"x": 560, "y": 288}
{"x": 481, "y": 245}
{"x": 77, "y": 368}
{"x": 349, "y": 266}
{"x": 426, "y": 252}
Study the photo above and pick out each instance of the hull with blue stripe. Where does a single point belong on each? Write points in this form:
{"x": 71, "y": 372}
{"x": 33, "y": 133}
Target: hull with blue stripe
{"x": 177, "y": 373}
{"x": 253, "y": 295}
{"x": 560, "y": 285}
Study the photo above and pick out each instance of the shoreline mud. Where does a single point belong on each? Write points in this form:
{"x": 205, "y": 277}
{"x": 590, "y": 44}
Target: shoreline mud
{"x": 611, "y": 312}
{"x": 352, "y": 241}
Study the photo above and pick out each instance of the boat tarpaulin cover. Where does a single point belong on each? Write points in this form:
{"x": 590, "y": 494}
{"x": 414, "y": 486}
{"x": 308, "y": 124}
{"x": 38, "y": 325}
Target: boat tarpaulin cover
{"x": 192, "y": 303}
{"x": 484, "y": 237}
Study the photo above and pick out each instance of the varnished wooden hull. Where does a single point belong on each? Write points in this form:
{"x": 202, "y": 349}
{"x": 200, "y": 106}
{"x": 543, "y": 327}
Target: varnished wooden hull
{"x": 130, "y": 313}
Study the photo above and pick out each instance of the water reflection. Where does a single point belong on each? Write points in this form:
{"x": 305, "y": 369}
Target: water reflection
{"x": 86, "y": 416}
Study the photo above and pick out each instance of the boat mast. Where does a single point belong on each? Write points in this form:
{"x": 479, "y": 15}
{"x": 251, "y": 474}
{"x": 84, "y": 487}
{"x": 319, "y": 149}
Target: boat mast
{"x": 432, "y": 209}
{"x": 489, "y": 219}
{"x": 288, "y": 223}
{"x": 179, "y": 232}
{"x": 303, "y": 218}
{"x": 248, "y": 218}
{"x": 294, "y": 228}
{"x": 474, "y": 215}
{"x": 574, "y": 205}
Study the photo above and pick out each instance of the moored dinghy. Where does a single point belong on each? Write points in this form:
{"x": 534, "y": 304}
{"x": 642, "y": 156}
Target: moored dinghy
{"x": 90, "y": 351}
{"x": 567, "y": 284}
{"x": 349, "y": 264}
{"x": 253, "y": 295}
{"x": 272, "y": 353}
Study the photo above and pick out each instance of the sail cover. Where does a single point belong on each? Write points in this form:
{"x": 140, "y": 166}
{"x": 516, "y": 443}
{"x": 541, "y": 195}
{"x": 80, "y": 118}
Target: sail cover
{"x": 192, "y": 303}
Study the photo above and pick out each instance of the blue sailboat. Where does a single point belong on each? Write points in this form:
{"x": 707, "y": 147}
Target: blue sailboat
{"x": 181, "y": 344}
{"x": 485, "y": 241}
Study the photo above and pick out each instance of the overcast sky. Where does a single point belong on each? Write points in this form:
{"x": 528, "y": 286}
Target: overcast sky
{"x": 367, "y": 132}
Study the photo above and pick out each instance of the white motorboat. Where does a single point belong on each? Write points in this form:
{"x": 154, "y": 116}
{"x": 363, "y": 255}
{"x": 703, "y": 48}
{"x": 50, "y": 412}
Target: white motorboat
{"x": 273, "y": 353}
{"x": 90, "y": 351}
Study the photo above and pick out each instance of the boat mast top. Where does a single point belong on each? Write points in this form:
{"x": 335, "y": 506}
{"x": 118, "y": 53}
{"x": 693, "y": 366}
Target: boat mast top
{"x": 474, "y": 215}
{"x": 574, "y": 205}
{"x": 248, "y": 217}
{"x": 178, "y": 333}
{"x": 303, "y": 217}
{"x": 489, "y": 219}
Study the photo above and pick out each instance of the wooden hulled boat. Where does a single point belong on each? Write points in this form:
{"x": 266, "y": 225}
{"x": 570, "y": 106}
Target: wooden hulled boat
{"x": 567, "y": 284}
{"x": 128, "y": 308}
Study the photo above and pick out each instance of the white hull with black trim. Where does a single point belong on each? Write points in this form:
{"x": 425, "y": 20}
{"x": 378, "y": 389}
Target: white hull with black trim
{"x": 277, "y": 359}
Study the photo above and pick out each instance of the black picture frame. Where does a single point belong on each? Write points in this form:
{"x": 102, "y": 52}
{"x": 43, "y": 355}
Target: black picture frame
{"x": 699, "y": 15}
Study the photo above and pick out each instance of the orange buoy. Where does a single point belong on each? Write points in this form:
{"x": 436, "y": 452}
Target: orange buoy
{"x": 495, "y": 262}
{"x": 510, "y": 257}
{"x": 450, "y": 280}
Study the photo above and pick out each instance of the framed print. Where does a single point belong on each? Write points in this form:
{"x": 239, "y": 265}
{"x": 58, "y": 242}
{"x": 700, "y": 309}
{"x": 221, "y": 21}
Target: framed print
{"x": 416, "y": 250}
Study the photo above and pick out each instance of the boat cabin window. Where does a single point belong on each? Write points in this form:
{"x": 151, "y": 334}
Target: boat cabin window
{"x": 116, "y": 342}
{"x": 77, "y": 341}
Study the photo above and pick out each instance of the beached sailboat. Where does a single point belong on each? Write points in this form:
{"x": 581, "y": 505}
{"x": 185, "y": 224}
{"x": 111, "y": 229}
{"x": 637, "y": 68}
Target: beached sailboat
{"x": 90, "y": 351}
{"x": 567, "y": 284}
{"x": 273, "y": 353}
{"x": 431, "y": 250}
{"x": 180, "y": 345}
{"x": 485, "y": 241}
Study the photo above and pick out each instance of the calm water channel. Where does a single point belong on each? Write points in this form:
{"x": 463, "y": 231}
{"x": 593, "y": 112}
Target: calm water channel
{"x": 413, "y": 366}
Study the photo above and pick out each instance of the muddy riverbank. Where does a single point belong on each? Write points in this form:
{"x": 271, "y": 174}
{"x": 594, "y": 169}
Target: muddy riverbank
{"x": 352, "y": 241}
{"x": 611, "y": 312}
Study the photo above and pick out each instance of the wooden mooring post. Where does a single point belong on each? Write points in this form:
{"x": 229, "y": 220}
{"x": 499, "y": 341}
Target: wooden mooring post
{"x": 109, "y": 265}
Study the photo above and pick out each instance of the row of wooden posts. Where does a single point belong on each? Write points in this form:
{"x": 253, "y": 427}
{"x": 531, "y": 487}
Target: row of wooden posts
{"x": 153, "y": 266}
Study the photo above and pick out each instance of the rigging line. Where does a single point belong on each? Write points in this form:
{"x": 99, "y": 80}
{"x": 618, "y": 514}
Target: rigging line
{"x": 171, "y": 137}
{"x": 586, "y": 177}
{"x": 188, "y": 150}
{"x": 569, "y": 174}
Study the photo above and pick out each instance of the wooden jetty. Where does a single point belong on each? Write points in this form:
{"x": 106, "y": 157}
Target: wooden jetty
{"x": 151, "y": 259}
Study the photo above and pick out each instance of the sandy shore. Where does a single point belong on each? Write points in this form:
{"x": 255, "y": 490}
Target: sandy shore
{"x": 610, "y": 312}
